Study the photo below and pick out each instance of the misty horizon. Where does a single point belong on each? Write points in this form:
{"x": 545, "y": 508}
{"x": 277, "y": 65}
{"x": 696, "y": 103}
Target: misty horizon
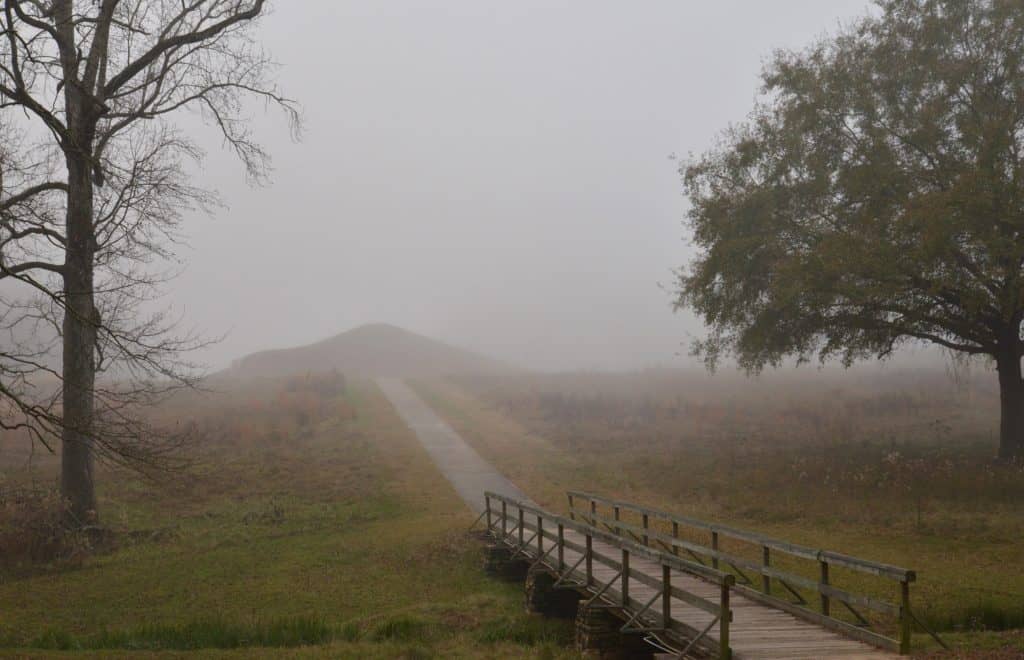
{"x": 495, "y": 177}
{"x": 556, "y": 330}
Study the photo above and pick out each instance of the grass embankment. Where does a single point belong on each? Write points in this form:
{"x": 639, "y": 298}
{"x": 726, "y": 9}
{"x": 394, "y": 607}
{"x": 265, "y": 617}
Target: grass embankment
{"x": 314, "y": 527}
{"x": 957, "y": 520}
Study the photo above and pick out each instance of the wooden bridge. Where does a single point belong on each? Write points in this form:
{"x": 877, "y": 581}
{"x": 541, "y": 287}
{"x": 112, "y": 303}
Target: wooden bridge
{"x": 684, "y": 585}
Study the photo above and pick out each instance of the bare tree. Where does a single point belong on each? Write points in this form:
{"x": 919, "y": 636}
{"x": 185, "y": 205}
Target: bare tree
{"x": 92, "y": 197}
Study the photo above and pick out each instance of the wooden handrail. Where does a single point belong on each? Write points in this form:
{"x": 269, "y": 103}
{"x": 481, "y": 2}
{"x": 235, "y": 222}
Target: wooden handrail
{"x": 825, "y": 558}
{"x": 760, "y": 568}
{"x": 805, "y": 552}
{"x": 544, "y": 525}
{"x": 678, "y": 563}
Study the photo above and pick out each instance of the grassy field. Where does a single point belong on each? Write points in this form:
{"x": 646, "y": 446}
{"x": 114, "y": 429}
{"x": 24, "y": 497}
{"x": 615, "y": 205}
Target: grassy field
{"x": 895, "y": 468}
{"x": 314, "y": 526}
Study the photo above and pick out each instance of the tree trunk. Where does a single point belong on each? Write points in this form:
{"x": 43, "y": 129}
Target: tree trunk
{"x": 1011, "y": 397}
{"x": 77, "y": 483}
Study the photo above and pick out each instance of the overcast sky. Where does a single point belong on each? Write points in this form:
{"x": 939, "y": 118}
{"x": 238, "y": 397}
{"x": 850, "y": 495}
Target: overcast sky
{"x": 493, "y": 174}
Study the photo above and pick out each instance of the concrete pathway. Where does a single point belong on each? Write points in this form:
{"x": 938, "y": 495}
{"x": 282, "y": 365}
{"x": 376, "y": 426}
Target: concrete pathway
{"x": 470, "y": 474}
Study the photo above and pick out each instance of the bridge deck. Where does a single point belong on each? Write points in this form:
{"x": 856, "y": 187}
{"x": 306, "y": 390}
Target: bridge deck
{"x": 756, "y": 631}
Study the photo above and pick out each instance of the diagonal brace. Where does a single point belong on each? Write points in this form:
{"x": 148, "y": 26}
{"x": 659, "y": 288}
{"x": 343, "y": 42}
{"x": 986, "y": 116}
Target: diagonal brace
{"x": 603, "y": 589}
{"x": 526, "y": 544}
{"x": 928, "y": 630}
{"x": 861, "y": 621}
{"x": 682, "y": 654}
{"x": 478, "y": 519}
{"x": 547, "y": 552}
{"x": 640, "y": 613}
{"x": 800, "y": 599}
{"x": 743, "y": 575}
{"x": 568, "y": 573}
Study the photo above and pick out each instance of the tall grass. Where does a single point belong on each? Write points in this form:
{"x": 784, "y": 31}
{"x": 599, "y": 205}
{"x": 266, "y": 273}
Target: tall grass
{"x": 402, "y": 629}
{"x": 982, "y": 615}
{"x": 200, "y": 634}
{"x": 525, "y": 632}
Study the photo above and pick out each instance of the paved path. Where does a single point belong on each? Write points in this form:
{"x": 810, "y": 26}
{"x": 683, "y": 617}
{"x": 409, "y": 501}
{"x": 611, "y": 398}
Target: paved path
{"x": 757, "y": 631}
{"x": 463, "y": 467}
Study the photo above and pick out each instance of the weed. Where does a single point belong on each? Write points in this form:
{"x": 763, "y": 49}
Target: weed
{"x": 532, "y": 631}
{"x": 402, "y": 629}
{"x": 350, "y": 632}
{"x": 54, "y": 639}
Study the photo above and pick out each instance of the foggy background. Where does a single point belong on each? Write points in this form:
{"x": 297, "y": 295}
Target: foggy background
{"x": 492, "y": 174}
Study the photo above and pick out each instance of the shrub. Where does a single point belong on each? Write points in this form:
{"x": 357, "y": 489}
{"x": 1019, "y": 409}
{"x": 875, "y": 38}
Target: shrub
{"x": 32, "y": 528}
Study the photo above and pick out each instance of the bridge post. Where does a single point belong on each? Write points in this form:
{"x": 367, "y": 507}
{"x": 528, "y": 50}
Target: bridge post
{"x": 766, "y": 581}
{"x": 625, "y": 578}
{"x": 675, "y": 535}
{"x": 522, "y": 525}
{"x": 645, "y": 523}
{"x": 540, "y": 536}
{"x": 593, "y": 513}
{"x": 487, "y": 502}
{"x": 590, "y": 560}
{"x": 714, "y": 546}
{"x": 725, "y": 618}
{"x": 561, "y": 547}
{"x": 572, "y": 512}
{"x": 824, "y": 581}
{"x": 666, "y": 597}
{"x": 618, "y": 530}
{"x": 504, "y": 520}
{"x": 905, "y": 621}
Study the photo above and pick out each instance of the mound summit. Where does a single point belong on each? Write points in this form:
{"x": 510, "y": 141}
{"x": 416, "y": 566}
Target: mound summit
{"x": 371, "y": 350}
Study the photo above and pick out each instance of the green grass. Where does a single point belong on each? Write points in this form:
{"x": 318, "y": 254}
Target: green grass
{"x": 524, "y": 632}
{"x": 403, "y": 629}
{"x": 339, "y": 540}
{"x": 212, "y": 634}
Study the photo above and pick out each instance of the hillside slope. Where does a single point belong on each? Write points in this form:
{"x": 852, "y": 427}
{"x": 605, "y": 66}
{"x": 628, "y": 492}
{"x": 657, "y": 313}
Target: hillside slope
{"x": 370, "y": 351}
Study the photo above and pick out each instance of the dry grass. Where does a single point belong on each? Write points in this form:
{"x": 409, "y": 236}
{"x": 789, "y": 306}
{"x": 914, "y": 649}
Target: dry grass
{"x": 33, "y": 529}
{"x": 896, "y": 468}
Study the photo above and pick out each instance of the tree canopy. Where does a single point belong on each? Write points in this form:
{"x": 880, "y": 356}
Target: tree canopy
{"x": 875, "y": 197}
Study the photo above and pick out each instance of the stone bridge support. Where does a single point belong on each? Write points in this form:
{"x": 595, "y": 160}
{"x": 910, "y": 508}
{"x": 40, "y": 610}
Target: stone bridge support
{"x": 597, "y": 628}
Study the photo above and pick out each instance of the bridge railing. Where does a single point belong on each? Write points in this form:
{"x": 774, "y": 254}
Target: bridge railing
{"x": 594, "y": 510}
{"x": 541, "y": 536}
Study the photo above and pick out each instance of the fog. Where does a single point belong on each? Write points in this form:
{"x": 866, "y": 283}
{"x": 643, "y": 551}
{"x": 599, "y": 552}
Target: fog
{"x": 496, "y": 175}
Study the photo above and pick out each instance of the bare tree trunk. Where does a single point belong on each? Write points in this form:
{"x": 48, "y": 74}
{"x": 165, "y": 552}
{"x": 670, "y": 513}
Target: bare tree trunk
{"x": 1011, "y": 396}
{"x": 77, "y": 461}
{"x": 125, "y": 66}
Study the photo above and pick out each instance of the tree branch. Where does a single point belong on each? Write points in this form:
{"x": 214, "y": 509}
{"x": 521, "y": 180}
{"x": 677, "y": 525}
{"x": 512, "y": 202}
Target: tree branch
{"x": 165, "y": 44}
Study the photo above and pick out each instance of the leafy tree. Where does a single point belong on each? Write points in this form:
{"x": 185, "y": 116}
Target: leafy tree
{"x": 93, "y": 183}
{"x": 875, "y": 197}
